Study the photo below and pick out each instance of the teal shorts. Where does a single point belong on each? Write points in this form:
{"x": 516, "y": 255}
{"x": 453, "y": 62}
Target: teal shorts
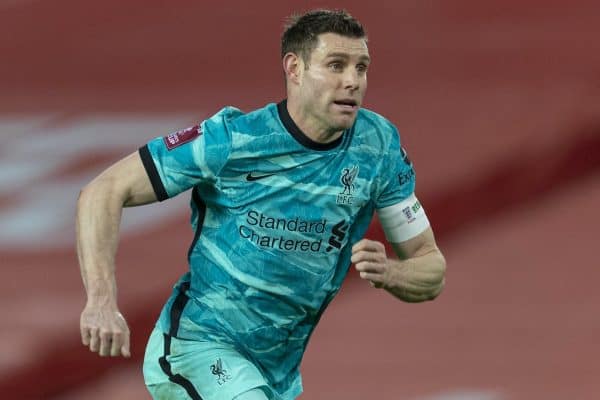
{"x": 177, "y": 369}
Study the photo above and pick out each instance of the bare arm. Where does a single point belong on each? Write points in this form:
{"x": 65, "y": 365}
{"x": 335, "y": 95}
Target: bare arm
{"x": 99, "y": 208}
{"x": 418, "y": 274}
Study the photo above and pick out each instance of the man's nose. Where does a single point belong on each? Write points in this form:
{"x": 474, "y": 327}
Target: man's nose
{"x": 351, "y": 79}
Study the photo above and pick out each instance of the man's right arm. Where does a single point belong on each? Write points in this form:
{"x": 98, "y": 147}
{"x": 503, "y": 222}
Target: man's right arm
{"x": 99, "y": 209}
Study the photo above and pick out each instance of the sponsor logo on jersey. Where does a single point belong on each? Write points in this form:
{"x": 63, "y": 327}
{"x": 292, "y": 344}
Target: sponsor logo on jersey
{"x": 338, "y": 233}
{"x": 405, "y": 157}
{"x": 406, "y": 176}
{"x": 347, "y": 179}
{"x": 293, "y": 234}
{"x": 181, "y": 137}
{"x": 289, "y": 234}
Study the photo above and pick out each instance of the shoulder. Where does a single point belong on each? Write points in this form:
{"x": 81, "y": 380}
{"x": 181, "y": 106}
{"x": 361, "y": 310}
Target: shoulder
{"x": 222, "y": 118}
{"x": 232, "y": 118}
{"x": 375, "y": 130}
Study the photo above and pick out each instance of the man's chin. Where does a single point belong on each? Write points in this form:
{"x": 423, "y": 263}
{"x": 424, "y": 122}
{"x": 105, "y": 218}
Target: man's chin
{"x": 345, "y": 122}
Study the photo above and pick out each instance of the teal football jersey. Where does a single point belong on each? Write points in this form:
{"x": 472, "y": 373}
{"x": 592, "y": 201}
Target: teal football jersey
{"x": 275, "y": 215}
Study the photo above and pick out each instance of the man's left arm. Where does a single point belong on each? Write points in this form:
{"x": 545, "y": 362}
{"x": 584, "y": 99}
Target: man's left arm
{"x": 416, "y": 276}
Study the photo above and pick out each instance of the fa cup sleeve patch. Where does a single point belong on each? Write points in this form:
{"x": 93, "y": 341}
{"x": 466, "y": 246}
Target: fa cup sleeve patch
{"x": 181, "y": 137}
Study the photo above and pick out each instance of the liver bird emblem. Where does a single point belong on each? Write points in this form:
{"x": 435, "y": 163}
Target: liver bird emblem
{"x": 347, "y": 179}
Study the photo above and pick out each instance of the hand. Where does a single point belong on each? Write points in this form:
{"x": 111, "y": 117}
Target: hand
{"x": 105, "y": 331}
{"x": 370, "y": 260}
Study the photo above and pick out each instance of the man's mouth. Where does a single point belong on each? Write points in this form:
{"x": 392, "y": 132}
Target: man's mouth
{"x": 348, "y": 104}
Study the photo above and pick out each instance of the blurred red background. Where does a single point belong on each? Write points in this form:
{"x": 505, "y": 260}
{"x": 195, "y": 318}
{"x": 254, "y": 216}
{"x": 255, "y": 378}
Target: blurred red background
{"x": 498, "y": 104}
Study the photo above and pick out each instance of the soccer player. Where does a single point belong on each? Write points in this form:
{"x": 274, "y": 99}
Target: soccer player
{"x": 281, "y": 199}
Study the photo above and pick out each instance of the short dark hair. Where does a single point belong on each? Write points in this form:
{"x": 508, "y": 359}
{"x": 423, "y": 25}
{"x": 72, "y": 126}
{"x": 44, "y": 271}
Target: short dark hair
{"x": 301, "y": 33}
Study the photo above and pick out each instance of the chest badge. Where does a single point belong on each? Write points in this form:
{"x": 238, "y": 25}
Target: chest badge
{"x": 347, "y": 178}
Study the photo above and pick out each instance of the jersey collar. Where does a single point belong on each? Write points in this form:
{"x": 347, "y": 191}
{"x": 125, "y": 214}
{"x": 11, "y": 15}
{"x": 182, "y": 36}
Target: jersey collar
{"x": 300, "y": 136}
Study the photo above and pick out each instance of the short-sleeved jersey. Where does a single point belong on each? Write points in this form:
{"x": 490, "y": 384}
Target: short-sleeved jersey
{"x": 275, "y": 215}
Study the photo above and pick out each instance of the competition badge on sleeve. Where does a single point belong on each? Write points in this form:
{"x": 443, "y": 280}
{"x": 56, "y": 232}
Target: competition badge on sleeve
{"x": 181, "y": 137}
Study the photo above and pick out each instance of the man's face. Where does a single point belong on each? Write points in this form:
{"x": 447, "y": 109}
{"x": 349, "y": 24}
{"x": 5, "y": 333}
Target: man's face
{"x": 334, "y": 84}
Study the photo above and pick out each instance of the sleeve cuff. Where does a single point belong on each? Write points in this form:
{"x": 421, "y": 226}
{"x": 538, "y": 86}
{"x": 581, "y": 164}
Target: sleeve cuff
{"x": 157, "y": 185}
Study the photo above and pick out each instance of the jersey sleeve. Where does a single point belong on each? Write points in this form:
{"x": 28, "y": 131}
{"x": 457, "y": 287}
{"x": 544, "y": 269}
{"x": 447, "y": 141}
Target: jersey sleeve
{"x": 401, "y": 215}
{"x": 183, "y": 159}
{"x": 397, "y": 182}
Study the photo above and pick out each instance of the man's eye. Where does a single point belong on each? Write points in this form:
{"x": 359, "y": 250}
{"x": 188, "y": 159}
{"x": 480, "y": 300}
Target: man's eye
{"x": 336, "y": 66}
{"x": 361, "y": 68}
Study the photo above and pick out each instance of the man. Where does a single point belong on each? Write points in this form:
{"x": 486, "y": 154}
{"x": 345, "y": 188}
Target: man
{"x": 281, "y": 198}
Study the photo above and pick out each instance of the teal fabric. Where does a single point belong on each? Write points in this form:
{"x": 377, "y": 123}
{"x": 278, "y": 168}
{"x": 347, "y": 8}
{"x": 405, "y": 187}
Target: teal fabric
{"x": 275, "y": 216}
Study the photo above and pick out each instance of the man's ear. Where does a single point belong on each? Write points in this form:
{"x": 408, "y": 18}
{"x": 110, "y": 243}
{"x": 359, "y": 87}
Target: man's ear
{"x": 293, "y": 67}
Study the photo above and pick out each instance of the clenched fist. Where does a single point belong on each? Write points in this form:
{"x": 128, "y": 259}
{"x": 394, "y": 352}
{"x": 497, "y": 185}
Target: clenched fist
{"x": 370, "y": 260}
{"x": 105, "y": 331}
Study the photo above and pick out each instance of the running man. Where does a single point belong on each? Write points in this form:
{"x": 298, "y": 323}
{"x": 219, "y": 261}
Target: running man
{"x": 281, "y": 198}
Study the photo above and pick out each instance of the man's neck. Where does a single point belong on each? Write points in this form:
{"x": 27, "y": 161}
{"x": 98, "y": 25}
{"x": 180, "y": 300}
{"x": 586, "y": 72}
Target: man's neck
{"x": 314, "y": 129}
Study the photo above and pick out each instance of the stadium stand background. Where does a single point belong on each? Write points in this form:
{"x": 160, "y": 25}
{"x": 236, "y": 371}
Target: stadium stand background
{"x": 498, "y": 104}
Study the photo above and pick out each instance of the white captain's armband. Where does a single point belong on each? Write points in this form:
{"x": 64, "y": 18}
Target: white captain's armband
{"x": 403, "y": 220}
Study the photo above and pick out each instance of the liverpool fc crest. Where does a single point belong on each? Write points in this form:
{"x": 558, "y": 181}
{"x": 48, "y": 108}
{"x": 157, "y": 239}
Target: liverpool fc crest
{"x": 347, "y": 179}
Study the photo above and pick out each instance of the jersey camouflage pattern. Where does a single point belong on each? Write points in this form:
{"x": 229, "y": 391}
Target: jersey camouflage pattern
{"x": 275, "y": 215}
